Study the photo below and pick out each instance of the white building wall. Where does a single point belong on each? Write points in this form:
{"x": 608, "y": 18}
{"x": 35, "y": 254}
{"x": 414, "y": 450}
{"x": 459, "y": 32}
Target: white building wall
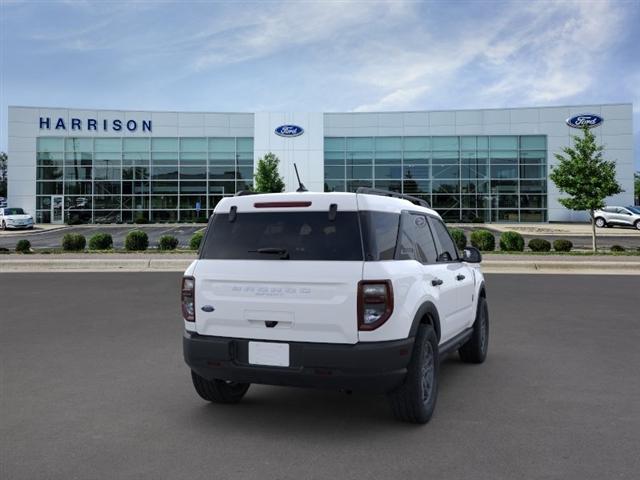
{"x": 306, "y": 150}
{"x": 24, "y": 129}
{"x": 615, "y": 133}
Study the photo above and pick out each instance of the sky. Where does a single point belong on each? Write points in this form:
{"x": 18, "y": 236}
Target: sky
{"x": 318, "y": 55}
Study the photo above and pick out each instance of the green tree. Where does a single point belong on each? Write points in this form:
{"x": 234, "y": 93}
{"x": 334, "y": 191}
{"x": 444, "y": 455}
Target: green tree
{"x": 267, "y": 178}
{"x": 3, "y": 174}
{"x": 636, "y": 187}
{"x": 585, "y": 177}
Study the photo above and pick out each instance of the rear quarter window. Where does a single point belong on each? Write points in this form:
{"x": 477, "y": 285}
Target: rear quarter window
{"x": 380, "y": 234}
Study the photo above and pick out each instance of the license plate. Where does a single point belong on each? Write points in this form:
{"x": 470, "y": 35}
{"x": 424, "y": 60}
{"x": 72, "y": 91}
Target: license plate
{"x": 265, "y": 353}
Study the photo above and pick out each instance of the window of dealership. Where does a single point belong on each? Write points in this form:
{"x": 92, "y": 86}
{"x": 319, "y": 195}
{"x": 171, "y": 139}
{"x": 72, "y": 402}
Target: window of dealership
{"x": 488, "y": 178}
{"x": 110, "y": 180}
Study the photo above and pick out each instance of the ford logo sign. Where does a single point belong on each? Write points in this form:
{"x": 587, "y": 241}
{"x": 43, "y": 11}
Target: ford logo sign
{"x": 289, "y": 131}
{"x": 583, "y": 120}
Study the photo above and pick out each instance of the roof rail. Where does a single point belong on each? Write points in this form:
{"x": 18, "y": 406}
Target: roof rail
{"x": 389, "y": 193}
{"x": 242, "y": 193}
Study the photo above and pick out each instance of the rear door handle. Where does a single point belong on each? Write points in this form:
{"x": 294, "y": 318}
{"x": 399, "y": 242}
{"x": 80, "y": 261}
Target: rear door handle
{"x": 460, "y": 277}
{"x": 436, "y": 281}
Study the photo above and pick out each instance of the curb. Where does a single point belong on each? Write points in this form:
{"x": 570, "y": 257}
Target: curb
{"x": 561, "y": 267}
{"x": 181, "y": 264}
{"x": 96, "y": 265}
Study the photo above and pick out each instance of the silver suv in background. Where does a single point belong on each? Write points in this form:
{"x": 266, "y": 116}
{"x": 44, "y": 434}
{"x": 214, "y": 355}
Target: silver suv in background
{"x": 623, "y": 216}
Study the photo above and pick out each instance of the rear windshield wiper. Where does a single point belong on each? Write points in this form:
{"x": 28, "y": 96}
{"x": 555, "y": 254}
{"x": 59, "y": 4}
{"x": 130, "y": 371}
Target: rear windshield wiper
{"x": 284, "y": 254}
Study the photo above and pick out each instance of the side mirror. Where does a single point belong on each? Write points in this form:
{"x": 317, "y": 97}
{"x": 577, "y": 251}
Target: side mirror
{"x": 471, "y": 255}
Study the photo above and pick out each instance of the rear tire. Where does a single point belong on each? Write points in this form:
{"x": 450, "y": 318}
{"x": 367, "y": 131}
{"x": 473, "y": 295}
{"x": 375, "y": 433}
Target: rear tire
{"x": 219, "y": 391}
{"x": 4, "y": 225}
{"x": 601, "y": 222}
{"x": 475, "y": 349}
{"x": 415, "y": 400}
{"x": 637, "y": 224}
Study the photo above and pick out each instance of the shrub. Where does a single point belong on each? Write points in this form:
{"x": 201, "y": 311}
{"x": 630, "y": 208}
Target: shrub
{"x": 195, "y": 241}
{"x": 511, "y": 242}
{"x": 74, "y": 220}
{"x": 167, "y": 242}
{"x": 23, "y": 246}
{"x": 483, "y": 240}
{"x": 617, "y": 248}
{"x": 459, "y": 237}
{"x": 202, "y": 220}
{"x": 477, "y": 220}
{"x": 142, "y": 220}
{"x": 136, "y": 240}
{"x": 4, "y": 250}
{"x": 539, "y": 245}
{"x": 562, "y": 245}
{"x": 101, "y": 241}
{"x": 73, "y": 242}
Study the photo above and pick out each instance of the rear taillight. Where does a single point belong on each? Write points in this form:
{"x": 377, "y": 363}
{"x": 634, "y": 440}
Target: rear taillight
{"x": 375, "y": 303}
{"x": 189, "y": 299}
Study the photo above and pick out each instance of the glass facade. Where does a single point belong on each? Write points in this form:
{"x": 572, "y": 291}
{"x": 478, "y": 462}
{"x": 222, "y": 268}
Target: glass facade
{"x": 110, "y": 180}
{"x": 500, "y": 178}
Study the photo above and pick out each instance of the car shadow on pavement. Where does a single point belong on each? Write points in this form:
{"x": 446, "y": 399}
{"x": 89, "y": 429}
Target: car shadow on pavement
{"x": 317, "y": 412}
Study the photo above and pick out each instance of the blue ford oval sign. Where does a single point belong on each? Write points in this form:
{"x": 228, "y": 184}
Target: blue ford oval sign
{"x": 289, "y": 131}
{"x": 588, "y": 120}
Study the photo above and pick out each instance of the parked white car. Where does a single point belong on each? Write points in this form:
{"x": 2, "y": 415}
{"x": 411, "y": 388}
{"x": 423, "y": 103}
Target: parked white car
{"x": 621, "y": 216}
{"x": 15, "y": 218}
{"x": 351, "y": 291}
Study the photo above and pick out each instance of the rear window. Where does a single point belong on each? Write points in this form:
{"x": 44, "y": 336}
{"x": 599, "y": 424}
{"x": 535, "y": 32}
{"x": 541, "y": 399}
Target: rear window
{"x": 284, "y": 236}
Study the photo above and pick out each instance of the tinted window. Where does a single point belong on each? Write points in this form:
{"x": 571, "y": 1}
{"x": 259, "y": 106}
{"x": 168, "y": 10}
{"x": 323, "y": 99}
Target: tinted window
{"x": 302, "y": 235}
{"x": 635, "y": 210}
{"x": 13, "y": 211}
{"x": 447, "y": 249}
{"x": 416, "y": 241}
{"x": 380, "y": 234}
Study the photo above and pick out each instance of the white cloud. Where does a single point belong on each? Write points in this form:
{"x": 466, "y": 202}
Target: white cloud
{"x": 535, "y": 53}
{"x": 259, "y": 32}
{"x": 400, "y": 98}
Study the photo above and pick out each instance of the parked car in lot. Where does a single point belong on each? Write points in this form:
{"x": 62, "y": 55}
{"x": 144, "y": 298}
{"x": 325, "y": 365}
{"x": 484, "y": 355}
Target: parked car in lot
{"x": 15, "y": 218}
{"x": 350, "y": 291}
{"x": 620, "y": 216}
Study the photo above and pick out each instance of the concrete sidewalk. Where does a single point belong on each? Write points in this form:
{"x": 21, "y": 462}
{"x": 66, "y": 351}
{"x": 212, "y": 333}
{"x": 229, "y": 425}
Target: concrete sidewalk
{"x": 613, "y": 265}
{"x": 552, "y": 229}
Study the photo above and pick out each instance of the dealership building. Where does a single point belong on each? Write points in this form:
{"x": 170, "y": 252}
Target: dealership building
{"x": 492, "y": 165}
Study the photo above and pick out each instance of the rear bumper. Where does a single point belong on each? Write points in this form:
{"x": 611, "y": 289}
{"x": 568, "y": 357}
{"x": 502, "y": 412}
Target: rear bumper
{"x": 373, "y": 367}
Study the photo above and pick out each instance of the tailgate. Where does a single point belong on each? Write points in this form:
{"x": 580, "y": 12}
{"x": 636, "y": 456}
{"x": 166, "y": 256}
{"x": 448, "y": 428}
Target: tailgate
{"x": 305, "y": 301}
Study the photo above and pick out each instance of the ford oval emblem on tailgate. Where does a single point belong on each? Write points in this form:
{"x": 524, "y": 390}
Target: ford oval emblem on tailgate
{"x": 207, "y": 308}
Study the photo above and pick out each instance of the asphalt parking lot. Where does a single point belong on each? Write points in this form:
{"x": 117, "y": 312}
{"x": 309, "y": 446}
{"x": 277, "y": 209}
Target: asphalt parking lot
{"x": 94, "y": 387}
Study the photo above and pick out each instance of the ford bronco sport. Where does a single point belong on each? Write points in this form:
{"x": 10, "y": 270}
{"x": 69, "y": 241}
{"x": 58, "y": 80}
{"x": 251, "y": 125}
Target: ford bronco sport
{"x": 351, "y": 291}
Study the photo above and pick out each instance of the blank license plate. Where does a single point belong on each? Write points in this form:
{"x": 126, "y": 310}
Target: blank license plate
{"x": 265, "y": 353}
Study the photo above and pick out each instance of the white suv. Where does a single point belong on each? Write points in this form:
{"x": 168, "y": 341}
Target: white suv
{"x": 351, "y": 291}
